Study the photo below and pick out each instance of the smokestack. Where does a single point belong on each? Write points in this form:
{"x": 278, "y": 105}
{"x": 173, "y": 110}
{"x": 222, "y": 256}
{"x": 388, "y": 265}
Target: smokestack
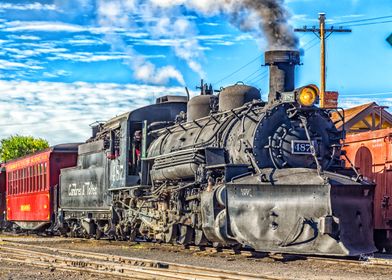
{"x": 281, "y": 66}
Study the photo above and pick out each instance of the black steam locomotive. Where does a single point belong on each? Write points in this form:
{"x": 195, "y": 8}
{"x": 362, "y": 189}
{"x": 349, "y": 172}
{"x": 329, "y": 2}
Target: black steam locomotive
{"x": 234, "y": 170}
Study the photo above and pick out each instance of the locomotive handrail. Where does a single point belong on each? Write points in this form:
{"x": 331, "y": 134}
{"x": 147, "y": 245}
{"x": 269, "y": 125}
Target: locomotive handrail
{"x": 218, "y": 114}
{"x": 312, "y": 149}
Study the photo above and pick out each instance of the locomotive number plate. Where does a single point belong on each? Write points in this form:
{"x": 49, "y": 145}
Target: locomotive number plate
{"x": 301, "y": 147}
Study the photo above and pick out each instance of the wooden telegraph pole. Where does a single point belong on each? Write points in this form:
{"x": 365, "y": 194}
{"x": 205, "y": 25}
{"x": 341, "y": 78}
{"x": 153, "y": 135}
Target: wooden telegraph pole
{"x": 322, "y": 33}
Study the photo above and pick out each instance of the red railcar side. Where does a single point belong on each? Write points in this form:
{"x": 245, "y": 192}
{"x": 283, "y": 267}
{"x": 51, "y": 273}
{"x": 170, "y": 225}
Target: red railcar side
{"x": 2, "y": 195}
{"x": 32, "y": 185}
{"x": 371, "y": 152}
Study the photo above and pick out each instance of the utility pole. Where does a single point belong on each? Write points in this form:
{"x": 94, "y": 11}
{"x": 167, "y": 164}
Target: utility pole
{"x": 322, "y": 33}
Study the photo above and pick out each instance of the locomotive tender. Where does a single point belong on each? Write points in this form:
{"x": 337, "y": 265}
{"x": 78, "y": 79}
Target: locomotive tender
{"x": 232, "y": 171}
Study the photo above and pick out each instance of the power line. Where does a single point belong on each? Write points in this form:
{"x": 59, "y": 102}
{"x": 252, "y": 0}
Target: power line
{"x": 367, "y": 94}
{"x": 312, "y": 46}
{"x": 251, "y": 75}
{"x": 266, "y": 75}
{"x": 362, "y": 20}
{"x": 370, "y": 23}
{"x": 249, "y": 78}
{"x": 236, "y": 71}
{"x": 315, "y": 38}
{"x": 259, "y": 77}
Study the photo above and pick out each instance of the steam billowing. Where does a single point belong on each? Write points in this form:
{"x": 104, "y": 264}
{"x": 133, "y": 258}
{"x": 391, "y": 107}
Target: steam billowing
{"x": 264, "y": 18}
{"x": 273, "y": 22}
{"x": 168, "y": 23}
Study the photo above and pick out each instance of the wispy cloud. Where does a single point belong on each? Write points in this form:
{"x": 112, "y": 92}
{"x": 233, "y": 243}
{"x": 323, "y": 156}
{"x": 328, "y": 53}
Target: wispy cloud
{"x": 45, "y": 26}
{"x": 96, "y": 56}
{"x": 85, "y": 42}
{"x": 24, "y": 53}
{"x": 24, "y": 37}
{"x": 352, "y": 101}
{"x": 56, "y": 74}
{"x": 89, "y": 57}
{"x": 211, "y": 23}
{"x": 61, "y": 112}
{"x": 59, "y": 26}
{"x": 25, "y": 7}
{"x": 5, "y": 64}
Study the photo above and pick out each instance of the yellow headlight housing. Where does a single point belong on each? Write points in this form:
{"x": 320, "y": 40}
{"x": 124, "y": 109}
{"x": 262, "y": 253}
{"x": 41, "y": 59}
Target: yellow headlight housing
{"x": 307, "y": 96}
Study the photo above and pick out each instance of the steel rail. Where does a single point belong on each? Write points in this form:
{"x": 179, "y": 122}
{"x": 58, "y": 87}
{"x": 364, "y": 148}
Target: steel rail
{"x": 369, "y": 261}
{"x": 97, "y": 262}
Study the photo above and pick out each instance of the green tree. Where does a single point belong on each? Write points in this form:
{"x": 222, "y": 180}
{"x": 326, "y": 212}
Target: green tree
{"x": 17, "y": 146}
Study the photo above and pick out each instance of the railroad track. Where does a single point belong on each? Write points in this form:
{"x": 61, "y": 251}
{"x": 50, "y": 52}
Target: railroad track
{"x": 136, "y": 268}
{"x": 366, "y": 260}
{"x": 111, "y": 265}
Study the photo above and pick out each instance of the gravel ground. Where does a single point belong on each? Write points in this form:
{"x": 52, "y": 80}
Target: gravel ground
{"x": 276, "y": 266}
{"x": 15, "y": 271}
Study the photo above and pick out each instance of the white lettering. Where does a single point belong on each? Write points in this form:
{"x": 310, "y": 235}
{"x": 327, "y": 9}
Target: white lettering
{"x": 86, "y": 188}
{"x": 118, "y": 172}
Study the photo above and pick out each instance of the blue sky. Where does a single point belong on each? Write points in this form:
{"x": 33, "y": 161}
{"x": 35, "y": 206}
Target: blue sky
{"x": 65, "y": 64}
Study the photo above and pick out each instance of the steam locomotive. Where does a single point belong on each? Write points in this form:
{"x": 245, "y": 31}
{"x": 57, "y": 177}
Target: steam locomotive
{"x": 226, "y": 170}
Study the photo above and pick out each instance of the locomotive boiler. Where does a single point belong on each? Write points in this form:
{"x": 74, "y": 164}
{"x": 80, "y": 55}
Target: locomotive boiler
{"x": 232, "y": 171}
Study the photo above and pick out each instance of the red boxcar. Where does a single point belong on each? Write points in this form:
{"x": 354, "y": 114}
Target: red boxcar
{"x": 2, "y": 195}
{"x": 32, "y": 185}
{"x": 371, "y": 153}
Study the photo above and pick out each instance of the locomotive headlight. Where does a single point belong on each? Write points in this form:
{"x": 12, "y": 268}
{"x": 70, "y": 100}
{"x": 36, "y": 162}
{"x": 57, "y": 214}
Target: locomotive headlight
{"x": 308, "y": 95}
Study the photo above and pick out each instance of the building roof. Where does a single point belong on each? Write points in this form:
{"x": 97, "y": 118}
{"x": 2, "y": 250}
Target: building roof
{"x": 349, "y": 114}
{"x": 365, "y": 117}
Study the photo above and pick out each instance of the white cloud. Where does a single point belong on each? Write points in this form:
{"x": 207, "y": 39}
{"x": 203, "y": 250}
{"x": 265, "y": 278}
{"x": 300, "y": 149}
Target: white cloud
{"x": 97, "y": 56}
{"x": 58, "y": 26}
{"x": 210, "y": 23}
{"x": 24, "y": 53}
{"x": 56, "y": 74}
{"x": 85, "y": 42}
{"x": 5, "y": 64}
{"x": 45, "y": 26}
{"x": 116, "y": 15}
{"x": 347, "y": 101}
{"x": 148, "y": 72}
{"x": 243, "y": 37}
{"x": 25, "y": 7}
{"x": 62, "y": 112}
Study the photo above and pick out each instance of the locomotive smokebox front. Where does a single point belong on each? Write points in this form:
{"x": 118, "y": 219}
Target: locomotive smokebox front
{"x": 281, "y": 65}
